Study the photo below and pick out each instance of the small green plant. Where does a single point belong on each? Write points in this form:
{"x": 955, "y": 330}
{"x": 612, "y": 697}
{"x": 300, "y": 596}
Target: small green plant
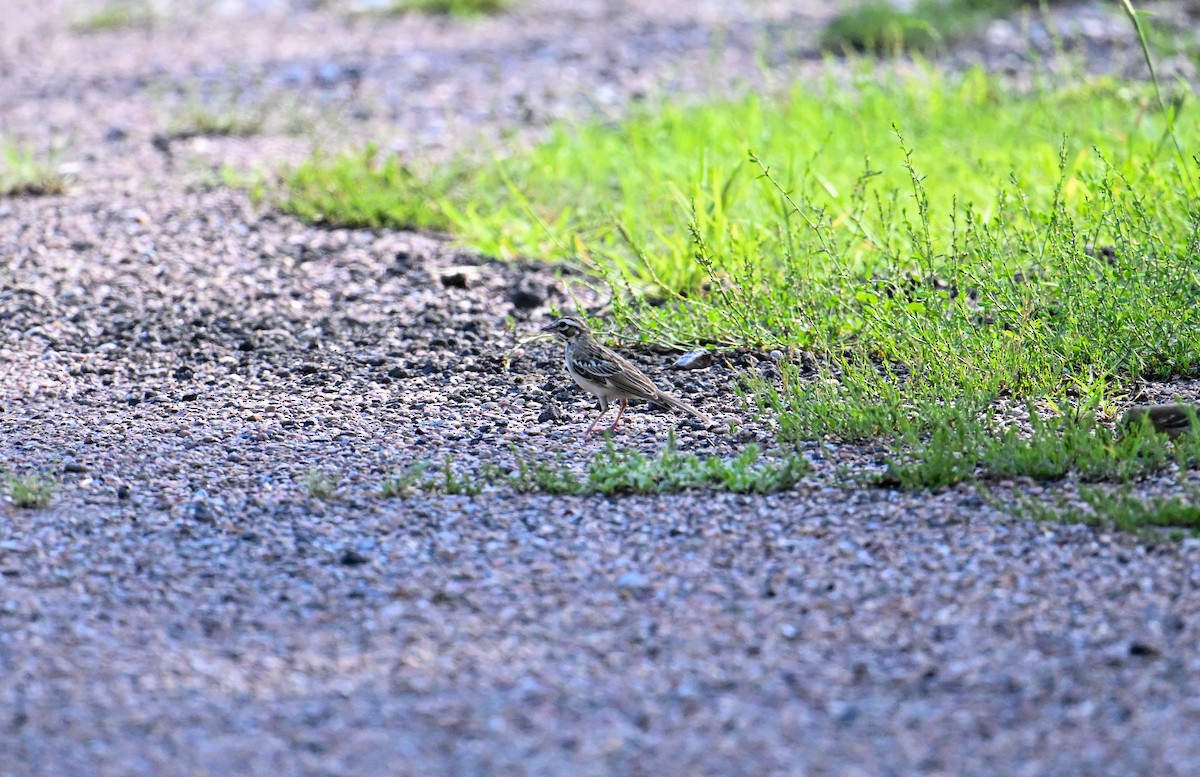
{"x": 1122, "y": 510}
{"x": 320, "y": 484}
{"x": 24, "y": 173}
{"x": 881, "y": 27}
{"x": 455, "y": 483}
{"x": 30, "y": 491}
{"x": 463, "y": 8}
{"x": 543, "y": 477}
{"x": 614, "y": 471}
{"x": 402, "y": 482}
{"x": 363, "y": 190}
{"x": 117, "y": 15}
{"x": 222, "y": 119}
{"x": 964, "y": 448}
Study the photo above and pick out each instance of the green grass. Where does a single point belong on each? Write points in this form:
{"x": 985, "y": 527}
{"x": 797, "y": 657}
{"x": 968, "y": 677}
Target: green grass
{"x": 611, "y": 471}
{"x": 881, "y": 27}
{"x": 25, "y": 173}
{"x": 361, "y": 189}
{"x": 1044, "y": 448}
{"x": 219, "y": 115}
{"x": 461, "y": 8}
{"x": 944, "y": 246}
{"x": 30, "y": 491}
{"x": 1177, "y": 515}
{"x": 615, "y": 471}
{"x": 320, "y": 484}
{"x": 116, "y": 15}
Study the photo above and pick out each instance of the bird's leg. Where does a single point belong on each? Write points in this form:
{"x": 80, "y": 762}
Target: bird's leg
{"x": 603, "y": 410}
{"x": 621, "y": 412}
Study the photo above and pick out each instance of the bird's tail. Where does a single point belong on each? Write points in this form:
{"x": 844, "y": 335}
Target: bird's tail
{"x": 677, "y": 404}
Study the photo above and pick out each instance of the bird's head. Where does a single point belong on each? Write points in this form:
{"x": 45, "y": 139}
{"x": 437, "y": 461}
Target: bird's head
{"x": 567, "y": 327}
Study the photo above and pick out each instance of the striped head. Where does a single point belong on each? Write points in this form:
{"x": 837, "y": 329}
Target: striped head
{"x": 568, "y": 328}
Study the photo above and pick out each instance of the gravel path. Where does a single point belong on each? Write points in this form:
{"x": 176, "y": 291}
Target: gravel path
{"x": 180, "y": 362}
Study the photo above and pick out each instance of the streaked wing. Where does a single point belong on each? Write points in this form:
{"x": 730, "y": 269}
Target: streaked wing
{"x": 609, "y": 369}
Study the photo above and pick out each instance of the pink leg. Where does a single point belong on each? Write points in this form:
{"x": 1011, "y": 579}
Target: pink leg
{"x": 596, "y": 420}
{"x": 621, "y": 412}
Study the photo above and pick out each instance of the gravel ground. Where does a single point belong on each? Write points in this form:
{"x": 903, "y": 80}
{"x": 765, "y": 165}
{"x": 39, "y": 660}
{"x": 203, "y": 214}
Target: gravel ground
{"x": 180, "y": 362}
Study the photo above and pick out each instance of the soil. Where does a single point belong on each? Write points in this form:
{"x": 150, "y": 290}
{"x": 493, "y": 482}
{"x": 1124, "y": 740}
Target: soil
{"x": 181, "y": 360}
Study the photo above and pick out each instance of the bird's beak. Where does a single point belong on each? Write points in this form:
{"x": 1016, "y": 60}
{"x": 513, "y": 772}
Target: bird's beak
{"x": 548, "y": 327}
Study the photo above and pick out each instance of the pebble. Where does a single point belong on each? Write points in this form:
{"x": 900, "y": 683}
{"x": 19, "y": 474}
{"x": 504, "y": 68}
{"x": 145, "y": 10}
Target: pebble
{"x": 694, "y": 360}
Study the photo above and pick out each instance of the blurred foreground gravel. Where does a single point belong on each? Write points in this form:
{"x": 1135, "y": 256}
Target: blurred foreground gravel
{"x": 181, "y": 362}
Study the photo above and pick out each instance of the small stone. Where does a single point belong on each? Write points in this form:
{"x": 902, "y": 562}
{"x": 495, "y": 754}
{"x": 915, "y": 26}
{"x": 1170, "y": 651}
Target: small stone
{"x": 115, "y": 135}
{"x": 454, "y": 280}
{"x": 694, "y": 360}
{"x": 74, "y": 467}
{"x": 1142, "y": 650}
{"x": 527, "y": 296}
{"x": 201, "y": 511}
{"x": 634, "y": 584}
{"x": 352, "y": 558}
{"x": 551, "y": 412}
{"x": 328, "y": 74}
{"x": 123, "y": 492}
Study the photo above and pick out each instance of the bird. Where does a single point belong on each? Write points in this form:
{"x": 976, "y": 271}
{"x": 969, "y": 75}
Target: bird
{"x": 1172, "y": 419}
{"x": 608, "y": 375}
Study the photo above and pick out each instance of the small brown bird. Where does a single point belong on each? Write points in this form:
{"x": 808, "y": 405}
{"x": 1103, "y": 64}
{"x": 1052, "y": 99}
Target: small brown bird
{"x": 608, "y": 375}
{"x": 1170, "y": 419}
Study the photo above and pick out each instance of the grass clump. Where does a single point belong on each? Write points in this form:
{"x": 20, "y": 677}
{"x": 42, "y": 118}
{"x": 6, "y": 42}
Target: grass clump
{"x": 24, "y": 173}
{"x": 1178, "y": 515}
{"x": 442, "y": 480}
{"x": 611, "y": 471}
{"x": 1050, "y": 448}
{"x": 881, "y": 27}
{"x": 116, "y": 15}
{"x": 197, "y": 119}
{"x": 461, "y": 8}
{"x": 614, "y": 471}
{"x": 30, "y": 491}
{"x": 366, "y": 191}
{"x": 402, "y": 482}
{"x": 320, "y": 484}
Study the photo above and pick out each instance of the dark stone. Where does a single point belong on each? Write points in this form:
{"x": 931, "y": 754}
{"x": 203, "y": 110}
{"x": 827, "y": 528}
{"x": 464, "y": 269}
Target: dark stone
{"x": 74, "y": 467}
{"x": 115, "y": 135}
{"x": 201, "y": 511}
{"x": 551, "y": 412}
{"x": 123, "y": 492}
{"x": 455, "y": 280}
{"x": 694, "y": 360}
{"x": 527, "y": 296}
{"x": 352, "y": 558}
